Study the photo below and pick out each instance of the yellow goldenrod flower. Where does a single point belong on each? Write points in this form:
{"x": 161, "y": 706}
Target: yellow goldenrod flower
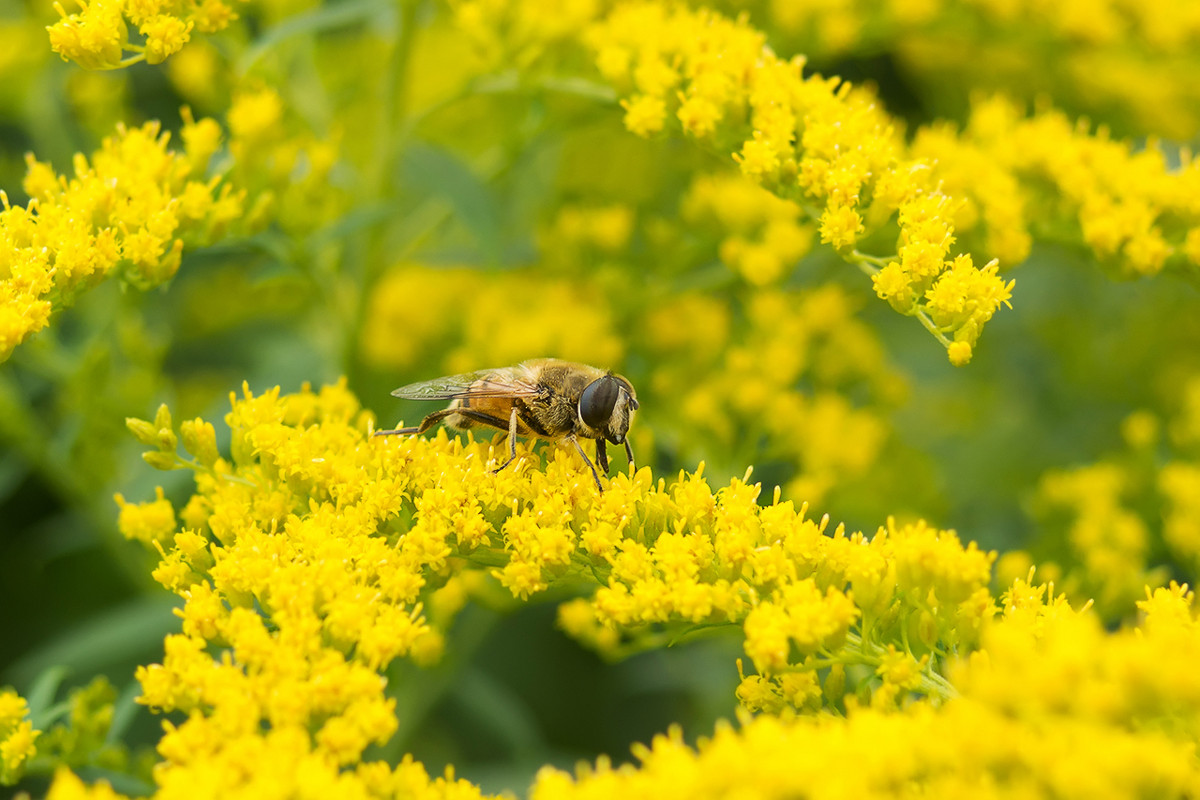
{"x": 645, "y": 114}
{"x": 875, "y": 753}
{"x": 94, "y": 38}
{"x": 291, "y": 526}
{"x": 764, "y": 236}
{"x": 840, "y": 226}
{"x": 255, "y": 116}
{"x": 17, "y": 736}
{"x": 317, "y": 548}
{"x": 1108, "y": 539}
{"x": 568, "y": 321}
{"x": 959, "y": 353}
{"x": 992, "y": 187}
{"x": 813, "y": 140}
{"x": 119, "y": 215}
{"x": 165, "y": 36}
{"x": 147, "y": 522}
{"x": 68, "y": 786}
{"x": 97, "y": 37}
{"x": 1122, "y": 199}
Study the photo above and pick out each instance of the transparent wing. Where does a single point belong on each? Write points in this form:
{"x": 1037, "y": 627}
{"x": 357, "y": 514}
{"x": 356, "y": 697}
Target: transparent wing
{"x": 485, "y": 383}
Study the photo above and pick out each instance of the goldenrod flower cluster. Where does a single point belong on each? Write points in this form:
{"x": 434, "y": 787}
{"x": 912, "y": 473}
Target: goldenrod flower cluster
{"x": 1050, "y": 707}
{"x": 318, "y": 554}
{"x": 132, "y": 209}
{"x": 304, "y": 471}
{"x": 401, "y": 191}
{"x": 97, "y": 36}
{"x": 294, "y": 602}
{"x": 832, "y": 149}
{"x": 568, "y": 321}
{"x": 734, "y": 383}
{"x": 17, "y": 736}
{"x": 812, "y": 139}
{"x": 1106, "y": 58}
{"x": 77, "y": 735}
{"x": 730, "y": 383}
{"x": 765, "y": 235}
{"x": 1094, "y": 515}
{"x": 126, "y": 213}
{"x": 1132, "y": 208}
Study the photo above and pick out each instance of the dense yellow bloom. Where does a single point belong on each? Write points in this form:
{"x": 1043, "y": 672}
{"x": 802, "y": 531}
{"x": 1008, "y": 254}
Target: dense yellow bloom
{"x": 17, "y": 736}
{"x": 810, "y": 139}
{"x": 1113, "y": 59}
{"x": 147, "y": 522}
{"x": 764, "y": 236}
{"x": 1097, "y": 511}
{"x": 68, "y": 786}
{"x": 880, "y": 754}
{"x": 1108, "y": 540}
{"x": 501, "y": 328}
{"x": 132, "y": 208}
{"x": 1051, "y": 707}
{"x": 127, "y": 212}
{"x": 97, "y": 36}
{"x": 307, "y": 561}
{"x": 293, "y": 604}
{"x": 726, "y": 385}
{"x": 1124, "y": 202}
{"x": 1003, "y": 181}
{"x": 311, "y": 557}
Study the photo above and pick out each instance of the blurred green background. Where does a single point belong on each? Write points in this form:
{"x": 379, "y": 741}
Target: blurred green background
{"x": 479, "y": 214}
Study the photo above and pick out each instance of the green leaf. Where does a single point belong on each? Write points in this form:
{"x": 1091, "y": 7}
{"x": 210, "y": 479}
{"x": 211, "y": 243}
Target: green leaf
{"x": 115, "y": 638}
{"x": 42, "y": 693}
{"x": 496, "y": 710}
{"x": 125, "y": 710}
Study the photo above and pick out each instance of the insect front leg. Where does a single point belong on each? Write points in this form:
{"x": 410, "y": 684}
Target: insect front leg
{"x": 425, "y": 425}
{"x": 602, "y": 455}
{"x": 512, "y": 440}
{"x": 586, "y": 460}
{"x": 629, "y": 455}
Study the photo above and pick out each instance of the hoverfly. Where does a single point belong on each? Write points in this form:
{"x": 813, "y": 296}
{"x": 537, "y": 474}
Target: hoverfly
{"x": 545, "y": 398}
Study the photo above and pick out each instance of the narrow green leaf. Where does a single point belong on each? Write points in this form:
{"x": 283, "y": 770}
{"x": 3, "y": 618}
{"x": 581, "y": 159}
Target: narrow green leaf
{"x": 112, "y": 638}
{"x": 43, "y": 690}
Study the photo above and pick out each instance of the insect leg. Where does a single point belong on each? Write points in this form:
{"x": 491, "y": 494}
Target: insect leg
{"x": 425, "y": 425}
{"x": 629, "y": 453}
{"x": 512, "y": 441}
{"x": 586, "y": 460}
{"x": 602, "y": 456}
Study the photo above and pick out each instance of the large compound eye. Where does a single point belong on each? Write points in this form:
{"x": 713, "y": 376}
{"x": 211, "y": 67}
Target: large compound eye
{"x": 597, "y": 402}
